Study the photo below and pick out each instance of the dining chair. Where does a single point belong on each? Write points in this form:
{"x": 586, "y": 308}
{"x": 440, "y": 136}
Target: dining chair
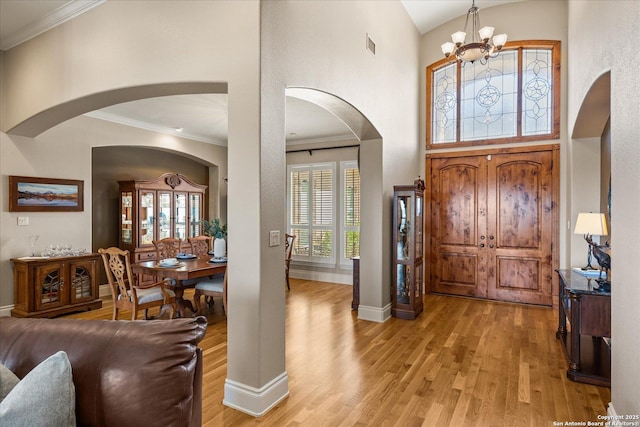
{"x": 167, "y": 248}
{"x": 127, "y": 294}
{"x": 200, "y": 245}
{"x": 288, "y": 248}
{"x": 216, "y": 286}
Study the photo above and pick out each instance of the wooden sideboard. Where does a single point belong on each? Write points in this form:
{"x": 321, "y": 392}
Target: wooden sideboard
{"x": 49, "y": 287}
{"x": 587, "y": 307}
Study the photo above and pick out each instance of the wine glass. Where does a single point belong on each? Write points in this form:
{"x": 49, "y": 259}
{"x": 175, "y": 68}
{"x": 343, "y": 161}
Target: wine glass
{"x": 32, "y": 242}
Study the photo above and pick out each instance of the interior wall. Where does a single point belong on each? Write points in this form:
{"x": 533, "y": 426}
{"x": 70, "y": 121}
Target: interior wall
{"x": 618, "y": 25}
{"x": 605, "y": 176}
{"x": 585, "y": 194}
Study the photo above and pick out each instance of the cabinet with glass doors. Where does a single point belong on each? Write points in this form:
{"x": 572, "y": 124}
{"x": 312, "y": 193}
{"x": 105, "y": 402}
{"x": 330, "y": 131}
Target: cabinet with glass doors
{"x": 407, "y": 286}
{"x": 169, "y": 206}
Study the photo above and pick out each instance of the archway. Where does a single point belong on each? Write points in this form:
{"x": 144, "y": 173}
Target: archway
{"x": 40, "y": 122}
{"x": 374, "y": 295}
{"x": 590, "y": 157}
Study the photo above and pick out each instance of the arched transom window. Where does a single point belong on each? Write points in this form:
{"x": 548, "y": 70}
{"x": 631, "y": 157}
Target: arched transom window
{"x": 514, "y": 97}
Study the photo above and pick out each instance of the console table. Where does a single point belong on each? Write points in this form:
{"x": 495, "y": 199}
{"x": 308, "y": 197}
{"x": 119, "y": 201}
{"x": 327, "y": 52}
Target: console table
{"x": 587, "y": 307}
{"x": 49, "y": 287}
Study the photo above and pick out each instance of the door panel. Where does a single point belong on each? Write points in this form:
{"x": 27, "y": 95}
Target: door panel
{"x": 491, "y": 226}
{"x": 522, "y": 226}
{"x": 456, "y": 218}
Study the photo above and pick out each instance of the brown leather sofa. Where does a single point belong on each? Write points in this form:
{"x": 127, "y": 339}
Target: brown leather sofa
{"x": 125, "y": 373}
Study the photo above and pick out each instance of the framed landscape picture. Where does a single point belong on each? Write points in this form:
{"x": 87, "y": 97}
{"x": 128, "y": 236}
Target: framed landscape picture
{"x": 28, "y": 194}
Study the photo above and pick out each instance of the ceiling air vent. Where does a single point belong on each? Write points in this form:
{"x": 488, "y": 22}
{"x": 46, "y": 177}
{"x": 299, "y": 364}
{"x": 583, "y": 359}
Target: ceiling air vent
{"x": 371, "y": 46}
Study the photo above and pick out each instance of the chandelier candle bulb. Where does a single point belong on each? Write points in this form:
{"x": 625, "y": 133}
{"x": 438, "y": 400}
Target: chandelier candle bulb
{"x": 458, "y": 37}
{"x": 499, "y": 40}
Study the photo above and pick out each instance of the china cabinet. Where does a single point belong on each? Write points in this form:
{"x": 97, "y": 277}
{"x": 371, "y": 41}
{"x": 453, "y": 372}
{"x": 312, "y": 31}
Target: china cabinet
{"x": 48, "y": 287}
{"x": 407, "y": 287}
{"x": 168, "y": 206}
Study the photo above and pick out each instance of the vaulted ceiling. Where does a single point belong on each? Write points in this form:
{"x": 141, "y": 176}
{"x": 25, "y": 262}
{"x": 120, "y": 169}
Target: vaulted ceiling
{"x": 203, "y": 117}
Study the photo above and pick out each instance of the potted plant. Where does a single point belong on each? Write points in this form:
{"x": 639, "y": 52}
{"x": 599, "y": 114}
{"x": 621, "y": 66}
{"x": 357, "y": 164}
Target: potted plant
{"x": 218, "y": 231}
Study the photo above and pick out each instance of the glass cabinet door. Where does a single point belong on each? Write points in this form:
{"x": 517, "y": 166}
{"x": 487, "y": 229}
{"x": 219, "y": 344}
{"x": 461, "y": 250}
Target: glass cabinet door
{"x": 126, "y": 222}
{"x": 164, "y": 215}
{"x": 147, "y": 199}
{"x": 81, "y": 283}
{"x": 49, "y": 286}
{"x": 418, "y": 227}
{"x": 180, "y": 216}
{"x": 195, "y": 207}
{"x": 403, "y": 242}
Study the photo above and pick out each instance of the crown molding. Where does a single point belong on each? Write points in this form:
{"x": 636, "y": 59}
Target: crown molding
{"x": 69, "y": 11}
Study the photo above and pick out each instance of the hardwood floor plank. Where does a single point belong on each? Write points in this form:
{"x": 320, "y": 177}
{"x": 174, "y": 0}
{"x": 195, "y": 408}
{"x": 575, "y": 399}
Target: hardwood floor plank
{"x": 463, "y": 362}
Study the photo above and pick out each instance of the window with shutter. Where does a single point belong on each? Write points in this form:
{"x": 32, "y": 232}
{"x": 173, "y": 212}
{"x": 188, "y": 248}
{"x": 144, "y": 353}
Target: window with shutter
{"x": 311, "y": 211}
{"x": 350, "y": 211}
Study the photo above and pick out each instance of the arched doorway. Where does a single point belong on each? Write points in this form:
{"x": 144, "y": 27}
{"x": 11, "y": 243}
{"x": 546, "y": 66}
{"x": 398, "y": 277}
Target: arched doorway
{"x": 374, "y": 294}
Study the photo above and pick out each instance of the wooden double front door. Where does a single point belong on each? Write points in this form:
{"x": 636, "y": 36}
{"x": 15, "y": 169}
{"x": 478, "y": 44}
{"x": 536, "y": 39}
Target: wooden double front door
{"x": 491, "y": 222}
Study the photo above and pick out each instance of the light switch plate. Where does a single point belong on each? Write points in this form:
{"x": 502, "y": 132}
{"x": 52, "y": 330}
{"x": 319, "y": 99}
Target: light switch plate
{"x": 23, "y": 220}
{"x": 274, "y": 238}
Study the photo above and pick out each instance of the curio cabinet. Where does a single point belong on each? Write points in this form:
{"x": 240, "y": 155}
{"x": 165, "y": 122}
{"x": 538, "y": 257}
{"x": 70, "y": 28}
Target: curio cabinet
{"x": 406, "y": 285}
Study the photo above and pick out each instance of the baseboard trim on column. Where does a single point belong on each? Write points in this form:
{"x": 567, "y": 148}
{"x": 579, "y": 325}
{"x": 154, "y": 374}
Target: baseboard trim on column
{"x": 256, "y": 401}
{"x": 374, "y": 314}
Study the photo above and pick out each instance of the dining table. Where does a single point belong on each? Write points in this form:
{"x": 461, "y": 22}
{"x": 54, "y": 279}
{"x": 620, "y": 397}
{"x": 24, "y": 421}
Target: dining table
{"x": 187, "y": 269}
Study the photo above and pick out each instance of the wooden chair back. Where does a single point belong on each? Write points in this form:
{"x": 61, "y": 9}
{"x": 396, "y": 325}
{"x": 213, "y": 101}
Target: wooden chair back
{"x": 200, "y": 245}
{"x": 288, "y": 248}
{"x": 118, "y": 269}
{"x": 167, "y": 248}
{"x": 124, "y": 289}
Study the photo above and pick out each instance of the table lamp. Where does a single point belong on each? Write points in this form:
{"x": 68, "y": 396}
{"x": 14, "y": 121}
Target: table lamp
{"x": 590, "y": 224}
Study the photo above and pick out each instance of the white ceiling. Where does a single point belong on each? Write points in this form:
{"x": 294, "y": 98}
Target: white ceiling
{"x": 203, "y": 117}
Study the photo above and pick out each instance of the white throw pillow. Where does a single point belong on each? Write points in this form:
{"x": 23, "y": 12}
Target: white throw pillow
{"x": 44, "y": 397}
{"x": 8, "y": 381}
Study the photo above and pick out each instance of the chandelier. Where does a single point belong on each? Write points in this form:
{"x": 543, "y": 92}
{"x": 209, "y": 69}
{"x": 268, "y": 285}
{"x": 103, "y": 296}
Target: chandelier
{"x": 478, "y": 48}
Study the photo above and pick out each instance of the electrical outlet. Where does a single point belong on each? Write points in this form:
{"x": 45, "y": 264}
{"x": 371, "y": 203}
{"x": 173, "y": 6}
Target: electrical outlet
{"x": 274, "y": 238}
{"x": 23, "y": 220}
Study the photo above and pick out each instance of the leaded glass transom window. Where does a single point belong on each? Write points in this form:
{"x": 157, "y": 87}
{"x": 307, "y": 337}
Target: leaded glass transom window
{"x": 513, "y": 97}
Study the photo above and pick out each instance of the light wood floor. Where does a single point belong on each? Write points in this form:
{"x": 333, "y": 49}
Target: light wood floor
{"x": 463, "y": 362}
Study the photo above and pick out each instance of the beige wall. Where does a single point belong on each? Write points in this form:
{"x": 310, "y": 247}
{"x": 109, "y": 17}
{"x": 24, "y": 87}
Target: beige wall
{"x": 618, "y": 25}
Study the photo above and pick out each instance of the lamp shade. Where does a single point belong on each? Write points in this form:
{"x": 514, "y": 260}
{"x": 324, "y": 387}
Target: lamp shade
{"x": 591, "y": 223}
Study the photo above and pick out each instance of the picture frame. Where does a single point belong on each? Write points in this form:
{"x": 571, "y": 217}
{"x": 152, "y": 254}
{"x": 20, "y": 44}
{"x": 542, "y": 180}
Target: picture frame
{"x": 31, "y": 194}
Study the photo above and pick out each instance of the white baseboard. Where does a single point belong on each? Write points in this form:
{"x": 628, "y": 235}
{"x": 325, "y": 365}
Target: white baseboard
{"x": 253, "y": 401}
{"x": 611, "y": 412}
{"x": 374, "y": 314}
{"x": 104, "y": 291}
{"x": 320, "y": 276}
{"x": 6, "y": 310}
